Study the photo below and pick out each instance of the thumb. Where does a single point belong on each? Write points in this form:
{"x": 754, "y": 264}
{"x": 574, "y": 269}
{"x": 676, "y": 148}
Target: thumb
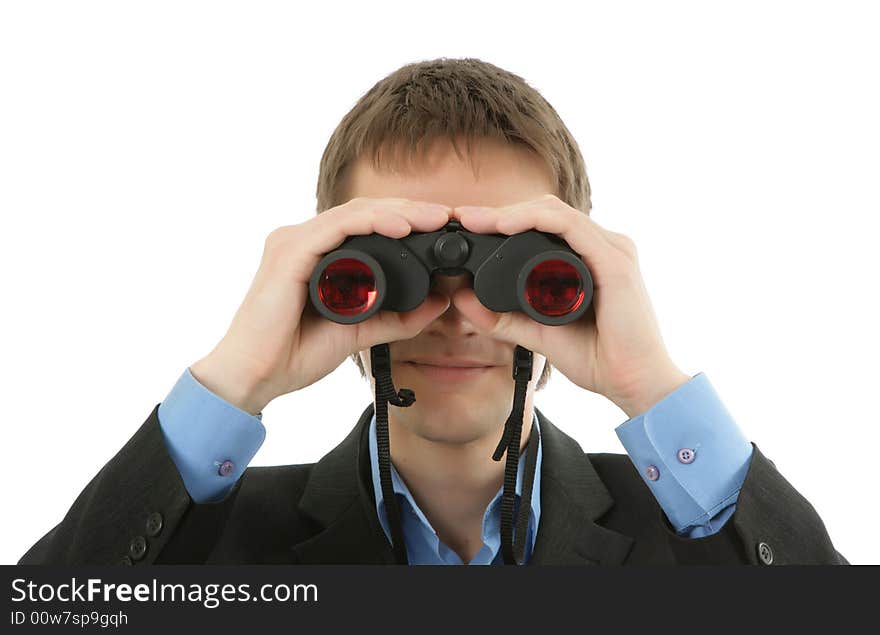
{"x": 510, "y": 326}
{"x": 391, "y": 326}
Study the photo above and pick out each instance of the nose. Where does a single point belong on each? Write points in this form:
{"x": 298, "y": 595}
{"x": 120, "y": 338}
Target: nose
{"x": 451, "y": 323}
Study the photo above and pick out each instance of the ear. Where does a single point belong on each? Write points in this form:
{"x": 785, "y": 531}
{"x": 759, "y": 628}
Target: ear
{"x": 359, "y": 362}
{"x": 540, "y": 371}
{"x": 544, "y": 379}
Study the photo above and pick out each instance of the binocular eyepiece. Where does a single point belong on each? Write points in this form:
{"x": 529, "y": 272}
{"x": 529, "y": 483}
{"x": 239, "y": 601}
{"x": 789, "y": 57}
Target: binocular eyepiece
{"x": 533, "y": 272}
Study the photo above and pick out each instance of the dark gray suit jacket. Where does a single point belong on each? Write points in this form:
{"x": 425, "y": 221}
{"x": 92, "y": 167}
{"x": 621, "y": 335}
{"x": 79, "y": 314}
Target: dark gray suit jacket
{"x": 595, "y": 509}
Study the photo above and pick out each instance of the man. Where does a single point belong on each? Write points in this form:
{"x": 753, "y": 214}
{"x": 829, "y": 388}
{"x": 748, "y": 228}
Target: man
{"x": 435, "y": 141}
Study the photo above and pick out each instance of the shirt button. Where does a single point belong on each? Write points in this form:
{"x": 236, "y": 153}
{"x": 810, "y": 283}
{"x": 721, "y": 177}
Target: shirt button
{"x": 686, "y": 455}
{"x": 652, "y": 472}
{"x": 765, "y": 553}
{"x": 226, "y": 468}
{"x": 154, "y": 524}
{"x": 138, "y": 547}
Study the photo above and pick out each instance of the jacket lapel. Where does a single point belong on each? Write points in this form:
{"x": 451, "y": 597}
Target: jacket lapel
{"x": 338, "y": 497}
{"x": 573, "y": 497}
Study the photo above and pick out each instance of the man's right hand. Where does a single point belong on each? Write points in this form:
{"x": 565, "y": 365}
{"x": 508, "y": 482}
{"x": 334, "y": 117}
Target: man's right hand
{"x": 277, "y": 342}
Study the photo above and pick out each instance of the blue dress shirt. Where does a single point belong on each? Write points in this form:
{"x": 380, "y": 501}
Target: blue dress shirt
{"x": 686, "y": 447}
{"x": 423, "y": 545}
{"x": 698, "y": 454}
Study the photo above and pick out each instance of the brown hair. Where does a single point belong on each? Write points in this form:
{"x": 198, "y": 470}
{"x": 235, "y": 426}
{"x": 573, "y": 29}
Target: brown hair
{"x": 450, "y": 99}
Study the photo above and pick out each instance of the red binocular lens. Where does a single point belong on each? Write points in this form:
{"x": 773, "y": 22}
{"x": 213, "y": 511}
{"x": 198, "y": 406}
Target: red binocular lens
{"x": 347, "y": 287}
{"x": 554, "y": 288}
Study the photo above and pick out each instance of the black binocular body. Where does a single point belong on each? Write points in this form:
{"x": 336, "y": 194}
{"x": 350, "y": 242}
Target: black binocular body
{"x": 533, "y": 272}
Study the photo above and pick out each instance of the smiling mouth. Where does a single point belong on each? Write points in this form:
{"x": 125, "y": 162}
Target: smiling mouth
{"x": 448, "y": 372}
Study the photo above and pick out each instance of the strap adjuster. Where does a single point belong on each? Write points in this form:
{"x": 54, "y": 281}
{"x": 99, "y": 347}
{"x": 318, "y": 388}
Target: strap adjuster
{"x": 522, "y": 363}
{"x": 380, "y": 359}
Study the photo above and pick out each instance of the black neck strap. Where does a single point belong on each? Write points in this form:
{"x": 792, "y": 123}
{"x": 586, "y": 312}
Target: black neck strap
{"x": 380, "y": 363}
{"x": 509, "y": 443}
{"x": 513, "y": 553}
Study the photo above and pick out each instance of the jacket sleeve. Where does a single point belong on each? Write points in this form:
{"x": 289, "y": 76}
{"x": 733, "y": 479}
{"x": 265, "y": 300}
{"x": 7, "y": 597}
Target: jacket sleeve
{"x": 773, "y": 525}
{"x": 136, "y": 510}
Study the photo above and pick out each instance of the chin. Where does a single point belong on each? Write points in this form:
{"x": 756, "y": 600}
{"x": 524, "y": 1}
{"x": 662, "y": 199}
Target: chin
{"x": 459, "y": 398}
{"x": 455, "y": 416}
{"x": 452, "y": 425}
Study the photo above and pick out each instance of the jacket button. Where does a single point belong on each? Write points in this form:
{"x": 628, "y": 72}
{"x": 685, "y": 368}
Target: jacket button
{"x": 126, "y": 561}
{"x": 154, "y": 524}
{"x": 765, "y": 553}
{"x": 138, "y": 547}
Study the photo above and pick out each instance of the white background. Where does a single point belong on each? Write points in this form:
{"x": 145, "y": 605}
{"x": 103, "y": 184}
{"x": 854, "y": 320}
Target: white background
{"x": 147, "y": 149}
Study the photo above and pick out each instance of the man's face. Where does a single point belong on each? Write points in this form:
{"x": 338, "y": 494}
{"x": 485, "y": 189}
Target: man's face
{"x": 455, "y": 404}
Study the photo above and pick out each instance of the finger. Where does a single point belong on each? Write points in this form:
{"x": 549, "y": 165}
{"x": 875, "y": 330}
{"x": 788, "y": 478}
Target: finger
{"x": 481, "y": 220}
{"x": 392, "y": 326}
{"x": 551, "y": 215}
{"x": 292, "y": 252}
{"x": 394, "y": 218}
{"x": 358, "y": 215}
{"x": 513, "y": 327}
{"x": 485, "y": 219}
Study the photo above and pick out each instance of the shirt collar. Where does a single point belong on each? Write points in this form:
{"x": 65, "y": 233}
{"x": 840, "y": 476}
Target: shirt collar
{"x": 423, "y": 544}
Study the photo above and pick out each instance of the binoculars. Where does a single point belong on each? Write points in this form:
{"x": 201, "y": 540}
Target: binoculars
{"x": 533, "y": 272}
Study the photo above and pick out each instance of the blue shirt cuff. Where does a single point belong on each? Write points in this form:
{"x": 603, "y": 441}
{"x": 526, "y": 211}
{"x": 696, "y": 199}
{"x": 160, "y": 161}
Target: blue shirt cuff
{"x": 697, "y": 496}
{"x": 210, "y": 441}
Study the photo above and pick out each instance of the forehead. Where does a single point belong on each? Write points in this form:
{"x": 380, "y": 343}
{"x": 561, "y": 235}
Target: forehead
{"x": 496, "y": 174}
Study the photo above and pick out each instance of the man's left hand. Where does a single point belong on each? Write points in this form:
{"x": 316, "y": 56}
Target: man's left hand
{"x": 616, "y": 349}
